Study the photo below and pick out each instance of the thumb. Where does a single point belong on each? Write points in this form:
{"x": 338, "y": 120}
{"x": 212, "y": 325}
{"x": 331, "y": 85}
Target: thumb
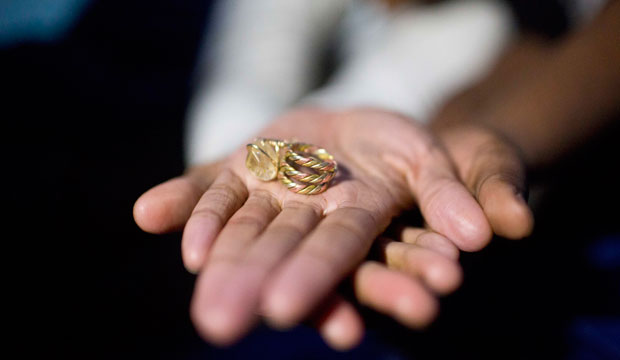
{"x": 493, "y": 171}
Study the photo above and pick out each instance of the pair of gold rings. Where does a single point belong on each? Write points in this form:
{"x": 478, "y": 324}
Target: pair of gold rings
{"x": 303, "y": 168}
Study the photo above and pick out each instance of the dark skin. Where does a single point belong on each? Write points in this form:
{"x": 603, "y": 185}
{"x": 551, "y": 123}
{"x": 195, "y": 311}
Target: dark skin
{"x": 541, "y": 100}
{"x": 546, "y": 98}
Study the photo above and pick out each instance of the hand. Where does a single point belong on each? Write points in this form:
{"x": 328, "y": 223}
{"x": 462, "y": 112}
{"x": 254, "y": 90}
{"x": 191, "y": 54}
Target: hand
{"x": 279, "y": 253}
{"x": 492, "y": 169}
{"x": 489, "y": 163}
{"x": 413, "y": 266}
{"x": 422, "y": 259}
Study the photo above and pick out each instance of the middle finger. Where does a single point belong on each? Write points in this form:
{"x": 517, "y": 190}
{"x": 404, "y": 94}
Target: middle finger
{"x": 325, "y": 257}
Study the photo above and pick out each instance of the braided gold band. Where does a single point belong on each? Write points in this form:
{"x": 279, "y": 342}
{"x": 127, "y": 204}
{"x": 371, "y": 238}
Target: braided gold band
{"x": 302, "y": 168}
{"x": 319, "y": 165}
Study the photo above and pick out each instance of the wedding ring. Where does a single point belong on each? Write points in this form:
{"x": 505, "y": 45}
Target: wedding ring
{"x": 306, "y": 169}
{"x": 264, "y": 157}
{"x": 303, "y": 168}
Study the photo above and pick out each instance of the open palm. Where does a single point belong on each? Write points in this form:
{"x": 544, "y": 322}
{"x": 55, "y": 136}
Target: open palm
{"x": 262, "y": 249}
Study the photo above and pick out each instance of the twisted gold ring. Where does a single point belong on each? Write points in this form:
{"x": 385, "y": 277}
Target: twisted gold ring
{"x": 303, "y": 168}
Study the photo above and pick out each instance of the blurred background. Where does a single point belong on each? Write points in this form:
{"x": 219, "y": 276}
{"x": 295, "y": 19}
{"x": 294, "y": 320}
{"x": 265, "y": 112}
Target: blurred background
{"x": 96, "y": 95}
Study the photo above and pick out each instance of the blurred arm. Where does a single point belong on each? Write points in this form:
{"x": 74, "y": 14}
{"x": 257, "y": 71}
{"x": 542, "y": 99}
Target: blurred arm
{"x": 560, "y": 99}
{"x": 410, "y": 59}
{"x": 263, "y": 56}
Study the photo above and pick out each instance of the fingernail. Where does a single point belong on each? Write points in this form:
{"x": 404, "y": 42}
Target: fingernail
{"x": 219, "y": 327}
{"x": 191, "y": 261}
{"x": 334, "y": 331}
{"x": 195, "y": 243}
{"x": 404, "y": 305}
{"x": 276, "y": 310}
{"x": 215, "y": 319}
{"x": 520, "y": 193}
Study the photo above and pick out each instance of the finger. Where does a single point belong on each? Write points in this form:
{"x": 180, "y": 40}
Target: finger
{"x": 341, "y": 326}
{"x": 244, "y": 227}
{"x": 223, "y": 300}
{"x": 395, "y": 294}
{"x": 295, "y": 221}
{"x": 438, "y": 272}
{"x": 505, "y": 206}
{"x": 498, "y": 181}
{"x": 323, "y": 259}
{"x": 230, "y": 303}
{"x": 166, "y": 207}
{"x": 216, "y": 326}
{"x": 430, "y": 240}
{"x": 446, "y": 204}
{"x": 215, "y": 207}
{"x": 495, "y": 174}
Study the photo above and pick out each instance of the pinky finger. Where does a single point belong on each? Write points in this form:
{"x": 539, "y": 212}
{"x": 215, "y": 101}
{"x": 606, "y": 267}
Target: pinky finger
{"x": 438, "y": 272}
{"x": 341, "y": 326}
{"x": 395, "y": 294}
{"x": 431, "y": 240}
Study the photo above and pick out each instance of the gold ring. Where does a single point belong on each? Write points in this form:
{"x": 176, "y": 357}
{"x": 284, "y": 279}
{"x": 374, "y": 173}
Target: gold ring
{"x": 303, "y": 168}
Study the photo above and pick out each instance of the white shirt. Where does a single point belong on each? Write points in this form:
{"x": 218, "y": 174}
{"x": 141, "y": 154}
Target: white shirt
{"x": 265, "y": 56}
